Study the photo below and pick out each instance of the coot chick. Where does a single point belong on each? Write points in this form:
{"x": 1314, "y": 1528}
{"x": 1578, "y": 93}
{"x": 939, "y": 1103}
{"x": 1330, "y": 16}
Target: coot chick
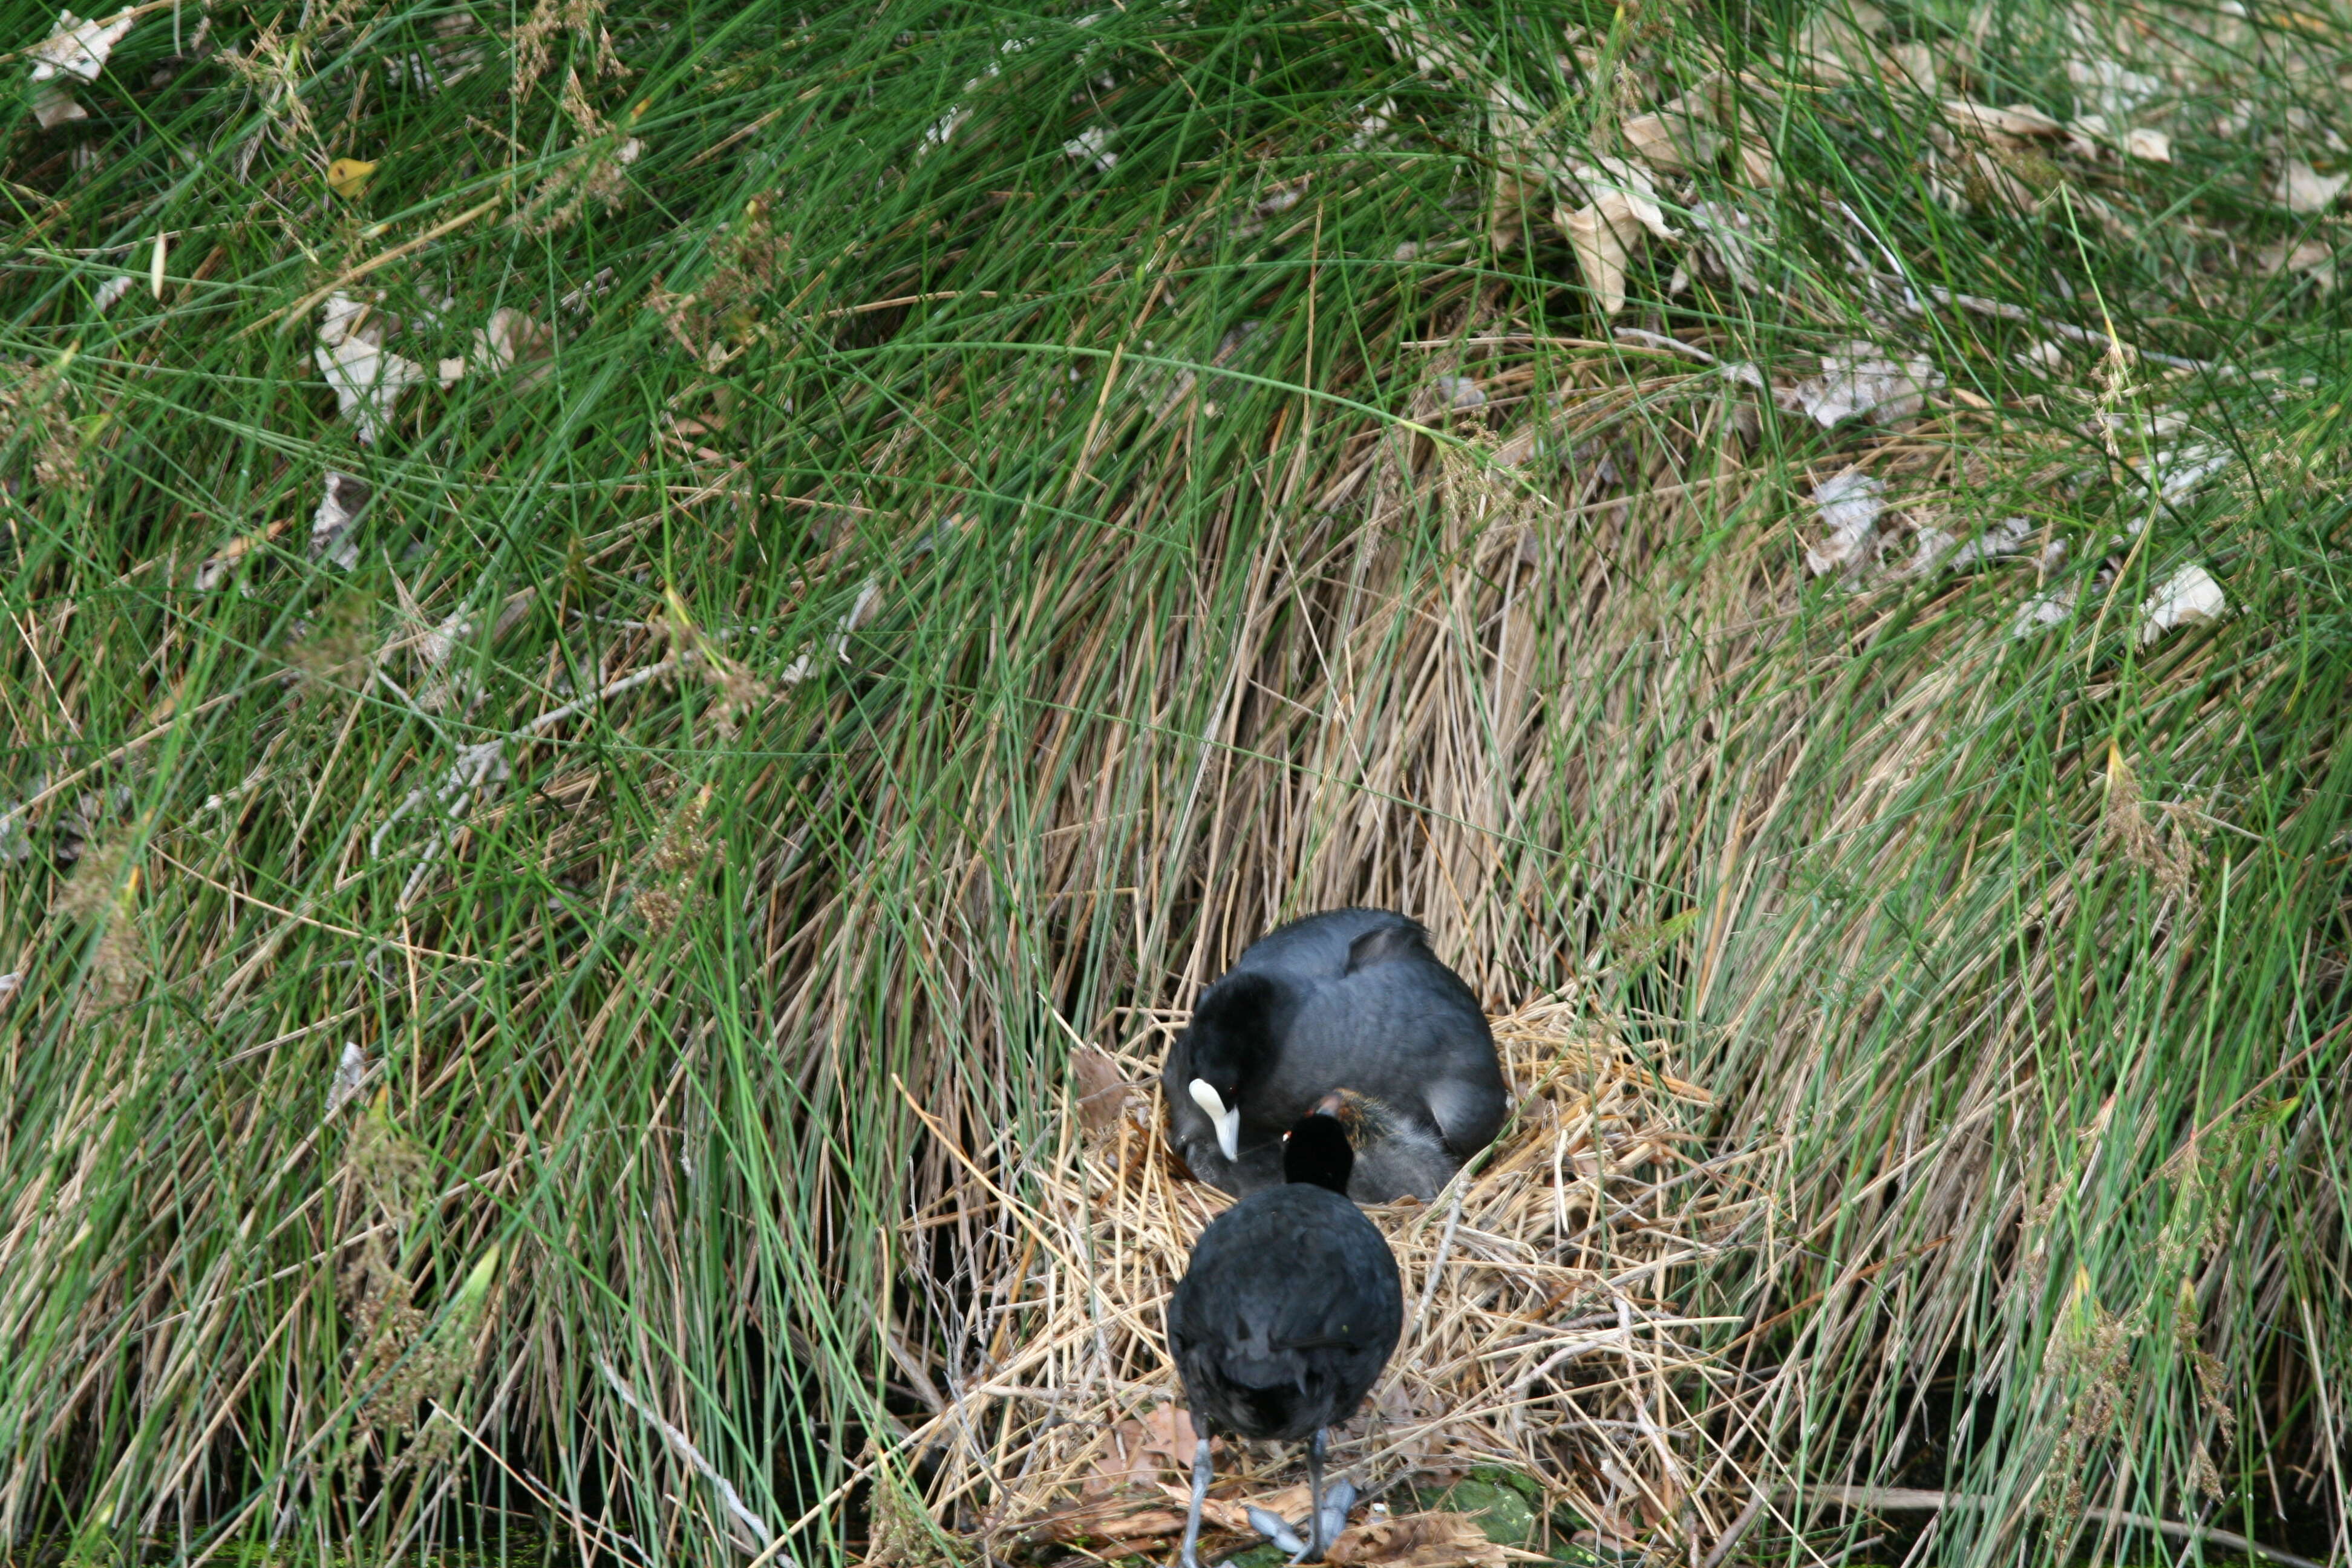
{"x": 1287, "y": 1313}
{"x": 1353, "y": 999}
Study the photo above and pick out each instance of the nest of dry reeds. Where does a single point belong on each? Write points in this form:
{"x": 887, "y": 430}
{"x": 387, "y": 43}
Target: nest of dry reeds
{"x": 1541, "y": 1327}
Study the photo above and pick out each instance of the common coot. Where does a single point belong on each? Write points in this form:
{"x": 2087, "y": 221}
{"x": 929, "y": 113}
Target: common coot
{"x": 1287, "y": 1313}
{"x": 1352, "y": 1000}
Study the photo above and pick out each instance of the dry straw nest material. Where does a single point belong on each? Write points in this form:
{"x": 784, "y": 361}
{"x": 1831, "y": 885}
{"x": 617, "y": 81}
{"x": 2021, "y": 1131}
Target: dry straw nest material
{"x": 1541, "y": 1327}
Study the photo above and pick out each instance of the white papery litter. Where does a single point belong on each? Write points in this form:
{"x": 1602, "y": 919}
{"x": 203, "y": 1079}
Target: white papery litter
{"x": 79, "y": 48}
{"x": 1862, "y": 379}
{"x": 1849, "y": 502}
{"x": 367, "y": 379}
{"x": 2189, "y": 596}
{"x": 330, "y": 525}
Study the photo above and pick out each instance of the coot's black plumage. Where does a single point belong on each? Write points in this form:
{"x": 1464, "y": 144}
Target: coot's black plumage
{"x": 1288, "y": 1312}
{"x": 1353, "y": 1000}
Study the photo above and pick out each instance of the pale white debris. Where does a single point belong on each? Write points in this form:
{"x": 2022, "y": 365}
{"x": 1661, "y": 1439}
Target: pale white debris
{"x": 1862, "y": 379}
{"x": 1935, "y": 550}
{"x": 1092, "y": 146}
{"x": 111, "y": 290}
{"x": 367, "y": 379}
{"x": 1849, "y": 502}
{"x": 2180, "y": 471}
{"x": 2112, "y": 90}
{"x": 512, "y": 338}
{"x": 53, "y": 106}
{"x": 2303, "y": 189}
{"x": 77, "y": 48}
{"x": 801, "y": 668}
{"x": 351, "y": 1072}
{"x": 331, "y": 526}
{"x": 435, "y": 646}
{"x": 9, "y": 985}
{"x": 2189, "y": 595}
{"x": 1728, "y": 237}
{"x": 2048, "y": 608}
{"x": 368, "y": 382}
{"x": 1461, "y": 392}
{"x": 2148, "y": 146}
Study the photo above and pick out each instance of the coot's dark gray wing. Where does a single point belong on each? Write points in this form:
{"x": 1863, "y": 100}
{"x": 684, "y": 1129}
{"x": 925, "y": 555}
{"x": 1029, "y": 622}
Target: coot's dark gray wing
{"x": 1314, "y": 951}
{"x": 1407, "y": 1031}
{"x": 1290, "y": 1309}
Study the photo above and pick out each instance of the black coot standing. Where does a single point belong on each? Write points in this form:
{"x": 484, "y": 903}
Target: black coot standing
{"x": 1353, "y": 1000}
{"x": 1287, "y": 1313}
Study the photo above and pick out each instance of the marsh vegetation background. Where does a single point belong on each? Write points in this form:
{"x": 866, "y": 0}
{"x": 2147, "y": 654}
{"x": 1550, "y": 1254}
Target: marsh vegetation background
{"x": 628, "y": 629}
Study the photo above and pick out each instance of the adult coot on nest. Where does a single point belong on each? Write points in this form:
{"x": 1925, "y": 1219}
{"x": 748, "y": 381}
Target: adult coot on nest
{"x": 1286, "y": 1315}
{"x": 1353, "y": 1000}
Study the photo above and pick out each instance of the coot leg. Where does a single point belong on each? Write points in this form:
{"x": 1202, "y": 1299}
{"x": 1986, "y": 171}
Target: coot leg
{"x": 1315, "y": 1538}
{"x": 1190, "y": 1558}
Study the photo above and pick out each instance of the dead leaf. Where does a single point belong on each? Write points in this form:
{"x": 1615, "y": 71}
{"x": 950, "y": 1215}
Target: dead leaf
{"x": 2188, "y": 597}
{"x": 351, "y": 1072}
{"x": 1418, "y": 1540}
{"x": 330, "y": 525}
{"x": 53, "y": 106}
{"x": 367, "y": 379}
{"x": 2305, "y": 189}
{"x": 2110, "y": 89}
{"x": 1935, "y": 550}
{"x": 1862, "y": 379}
{"x": 1727, "y": 237}
{"x": 1222, "y": 1514}
{"x": 77, "y": 48}
{"x": 1598, "y": 234}
{"x": 2309, "y": 255}
{"x": 1102, "y": 1087}
{"x": 1849, "y": 502}
{"x": 1835, "y": 42}
{"x": 1915, "y": 64}
{"x": 513, "y": 338}
{"x": 349, "y": 177}
{"x": 2014, "y": 126}
{"x": 2148, "y": 146}
{"x": 1684, "y": 134}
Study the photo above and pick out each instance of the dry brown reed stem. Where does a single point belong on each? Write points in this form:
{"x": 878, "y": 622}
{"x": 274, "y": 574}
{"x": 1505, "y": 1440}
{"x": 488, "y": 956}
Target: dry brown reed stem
{"x": 1542, "y": 1328}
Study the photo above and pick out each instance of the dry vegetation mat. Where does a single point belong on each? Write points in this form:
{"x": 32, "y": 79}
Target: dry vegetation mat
{"x": 1542, "y": 1328}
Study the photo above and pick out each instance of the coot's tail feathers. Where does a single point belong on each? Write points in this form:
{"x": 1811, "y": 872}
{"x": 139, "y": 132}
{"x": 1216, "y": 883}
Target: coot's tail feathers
{"x": 1387, "y": 943}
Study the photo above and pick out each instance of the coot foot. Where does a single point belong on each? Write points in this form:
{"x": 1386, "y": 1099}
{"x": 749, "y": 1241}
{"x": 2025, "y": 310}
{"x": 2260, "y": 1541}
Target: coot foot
{"x": 1191, "y": 1557}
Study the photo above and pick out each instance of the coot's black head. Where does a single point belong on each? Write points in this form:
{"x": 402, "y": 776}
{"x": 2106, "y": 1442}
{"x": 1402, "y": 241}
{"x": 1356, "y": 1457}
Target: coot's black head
{"x": 1317, "y": 1150}
{"x": 1229, "y": 1042}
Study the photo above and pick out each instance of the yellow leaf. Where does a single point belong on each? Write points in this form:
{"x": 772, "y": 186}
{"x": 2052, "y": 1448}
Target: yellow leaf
{"x": 349, "y": 177}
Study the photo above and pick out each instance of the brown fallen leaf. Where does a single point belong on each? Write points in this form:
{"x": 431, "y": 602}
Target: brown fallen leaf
{"x": 2013, "y": 126}
{"x": 1602, "y": 234}
{"x": 1418, "y": 1540}
{"x": 1233, "y": 1514}
{"x": 2303, "y": 256}
{"x": 1103, "y": 1093}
